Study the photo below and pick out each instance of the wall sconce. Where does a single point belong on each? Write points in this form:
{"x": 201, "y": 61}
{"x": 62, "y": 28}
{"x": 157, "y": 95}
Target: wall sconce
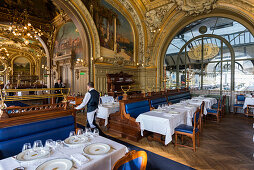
{"x": 81, "y": 62}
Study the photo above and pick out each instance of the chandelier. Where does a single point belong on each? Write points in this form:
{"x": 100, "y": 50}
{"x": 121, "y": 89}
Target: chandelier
{"x": 21, "y": 27}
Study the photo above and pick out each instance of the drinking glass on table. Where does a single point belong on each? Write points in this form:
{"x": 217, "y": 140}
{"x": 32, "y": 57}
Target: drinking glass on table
{"x": 79, "y": 131}
{"x": 59, "y": 144}
{"x": 26, "y": 147}
{"x": 88, "y": 131}
{"x": 37, "y": 145}
{"x": 49, "y": 144}
{"x": 72, "y": 133}
{"x": 95, "y": 132}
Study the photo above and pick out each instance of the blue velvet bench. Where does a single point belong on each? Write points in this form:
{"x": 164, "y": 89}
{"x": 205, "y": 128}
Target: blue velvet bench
{"x": 12, "y": 138}
{"x": 124, "y": 122}
{"x": 54, "y": 123}
{"x": 176, "y": 98}
{"x": 158, "y": 101}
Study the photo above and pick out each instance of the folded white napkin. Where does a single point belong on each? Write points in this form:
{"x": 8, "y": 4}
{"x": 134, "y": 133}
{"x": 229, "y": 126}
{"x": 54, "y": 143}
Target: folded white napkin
{"x": 173, "y": 112}
{"x": 79, "y": 159}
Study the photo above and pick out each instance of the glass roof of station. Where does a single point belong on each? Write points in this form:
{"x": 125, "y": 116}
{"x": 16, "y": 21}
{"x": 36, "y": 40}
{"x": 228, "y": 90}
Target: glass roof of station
{"x": 224, "y": 27}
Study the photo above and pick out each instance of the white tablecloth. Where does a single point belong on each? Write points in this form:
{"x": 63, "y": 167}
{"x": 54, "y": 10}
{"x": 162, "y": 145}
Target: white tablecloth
{"x": 190, "y": 110}
{"x": 197, "y": 101}
{"x": 248, "y": 101}
{"x": 107, "y": 99}
{"x": 105, "y": 110}
{"x": 104, "y": 162}
{"x": 162, "y": 123}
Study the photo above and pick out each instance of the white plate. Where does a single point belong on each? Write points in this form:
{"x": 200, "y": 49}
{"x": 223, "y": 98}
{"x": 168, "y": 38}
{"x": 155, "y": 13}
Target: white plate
{"x": 76, "y": 140}
{"x": 30, "y": 155}
{"x": 97, "y": 149}
{"x": 56, "y": 164}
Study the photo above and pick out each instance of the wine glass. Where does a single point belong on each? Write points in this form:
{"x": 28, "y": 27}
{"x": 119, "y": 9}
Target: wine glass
{"x": 37, "y": 145}
{"x": 49, "y": 144}
{"x": 59, "y": 144}
{"x": 79, "y": 132}
{"x": 88, "y": 131}
{"x": 72, "y": 133}
{"x": 26, "y": 148}
{"x": 95, "y": 132}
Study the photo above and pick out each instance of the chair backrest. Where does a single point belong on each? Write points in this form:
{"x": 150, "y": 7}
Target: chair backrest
{"x": 240, "y": 98}
{"x": 134, "y": 160}
{"x": 136, "y": 108}
{"x": 202, "y": 107}
{"x": 196, "y": 119}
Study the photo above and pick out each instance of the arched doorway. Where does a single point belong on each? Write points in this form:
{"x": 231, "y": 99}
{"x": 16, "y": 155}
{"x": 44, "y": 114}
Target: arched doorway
{"x": 212, "y": 51}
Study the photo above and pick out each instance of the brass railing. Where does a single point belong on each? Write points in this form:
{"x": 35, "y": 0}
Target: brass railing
{"x": 36, "y": 94}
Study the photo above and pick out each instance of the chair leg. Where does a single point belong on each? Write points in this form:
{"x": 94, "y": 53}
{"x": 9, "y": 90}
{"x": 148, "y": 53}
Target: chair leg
{"x": 175, "y": 139}
{"x": 182, "y": 139}
{"x": 194, "y": 142}
{"x": 198, "y": 139}
{"x": 234, "y": 110}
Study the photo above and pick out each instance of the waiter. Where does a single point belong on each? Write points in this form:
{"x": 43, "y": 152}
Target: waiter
{"x": 91, "y": 99}
{"x": 59, "y": 84}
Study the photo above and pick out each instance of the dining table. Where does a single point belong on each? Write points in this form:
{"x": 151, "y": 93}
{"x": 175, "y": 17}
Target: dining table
{"x": 248, "y": 101}
{"x": 105, "y": 109}
{"x": 162, "y": 121}
{"x": 104, "y": 161}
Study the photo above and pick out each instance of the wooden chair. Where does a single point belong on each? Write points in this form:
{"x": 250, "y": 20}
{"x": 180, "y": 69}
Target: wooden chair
{"x": 190, "y": 131}
{"x": 239, "y": 98}
{"x": 215, "y": 112}
{"x": 202, "y": 107}
{"x": 134, "y": 160}
{"x": 248, "y": 112}
{"x": 223, "y": 105}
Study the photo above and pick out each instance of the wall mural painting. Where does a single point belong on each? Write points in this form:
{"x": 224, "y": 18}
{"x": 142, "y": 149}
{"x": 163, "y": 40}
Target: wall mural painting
{"x": 21, "y": 66}
{"x": 68, "y": 40}
{"x": 115, "y": 32}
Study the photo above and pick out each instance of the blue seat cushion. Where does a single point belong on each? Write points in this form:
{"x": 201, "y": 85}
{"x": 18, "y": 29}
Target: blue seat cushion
{"x": 185, "y": 128}
{"x": 238, "y": 105}
{"x": 136, "y": 108}
{"x": 134, "y": 164}
{"x": 15, "y": 103}
{"x": 13, "y": 132}
{"x": 240, "y": 98}
{"x": 211, "y": 111}
{"x": 177, "y": 98}
{"x": 14, "y": 146}
{"x": 215, "y": 106}
{"x": 158, "y": 101}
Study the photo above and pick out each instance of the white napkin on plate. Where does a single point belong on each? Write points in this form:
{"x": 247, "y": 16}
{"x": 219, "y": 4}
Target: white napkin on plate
{"x": 79, "y": 159}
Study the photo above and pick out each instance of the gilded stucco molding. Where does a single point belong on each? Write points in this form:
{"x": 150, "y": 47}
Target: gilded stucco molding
{"x": 140, "y": 29}
{"x": 195, "y": 7}
{"x": 246, "y": 5}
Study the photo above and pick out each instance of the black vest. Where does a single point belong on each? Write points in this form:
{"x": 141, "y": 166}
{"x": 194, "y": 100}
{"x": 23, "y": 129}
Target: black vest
{"x": 94, "y": 101}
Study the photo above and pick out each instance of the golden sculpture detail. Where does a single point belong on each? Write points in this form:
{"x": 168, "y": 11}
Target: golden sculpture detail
{"x": 210, "y": 51}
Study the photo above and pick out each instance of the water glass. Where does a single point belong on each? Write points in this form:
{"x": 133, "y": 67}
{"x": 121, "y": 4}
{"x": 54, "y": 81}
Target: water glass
{"x": 95, "y": 132}
{"x": 72, "y": 133}
{"x": 59, "y": 144}
{"x": 49, "y": 144}
{"x": 26, "y": 147}
{"x": 88, "y": 131}
{"x": 37, "y": 145}
{"x": 79, "y": 131}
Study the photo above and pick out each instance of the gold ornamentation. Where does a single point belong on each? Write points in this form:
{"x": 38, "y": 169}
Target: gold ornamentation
{"x": 195, "y": 7}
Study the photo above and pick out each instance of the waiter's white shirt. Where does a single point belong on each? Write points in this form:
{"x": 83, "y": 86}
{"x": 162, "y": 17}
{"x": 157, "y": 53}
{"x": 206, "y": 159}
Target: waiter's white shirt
{"x": 90, "y": 115}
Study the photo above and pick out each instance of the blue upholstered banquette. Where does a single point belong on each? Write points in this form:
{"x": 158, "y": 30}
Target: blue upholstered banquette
{"x": 136, "y": 108}
{"x": 177, "y": 98}
{"x": 12, "y": 138}
{"x": 158, "y": 101}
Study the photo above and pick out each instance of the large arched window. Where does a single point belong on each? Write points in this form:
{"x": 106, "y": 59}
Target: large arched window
{"x": 206, "y": 62}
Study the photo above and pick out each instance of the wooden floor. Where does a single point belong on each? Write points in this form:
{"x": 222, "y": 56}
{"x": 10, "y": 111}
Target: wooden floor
{"x": 225, "y": 145}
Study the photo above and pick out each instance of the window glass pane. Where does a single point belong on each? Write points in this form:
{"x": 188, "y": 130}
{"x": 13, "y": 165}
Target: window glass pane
{"x": 226, "y": 75}
{"x": 212, "y": 76}
{"x": 244, "y": 79}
